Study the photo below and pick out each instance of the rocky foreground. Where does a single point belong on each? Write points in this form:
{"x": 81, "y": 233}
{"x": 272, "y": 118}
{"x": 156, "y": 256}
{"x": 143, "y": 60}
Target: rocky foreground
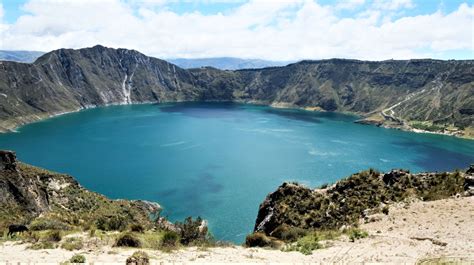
{"x": 434, "y": 231}
{"x": 396, "y": 217}
{"x": 360, "y": 195}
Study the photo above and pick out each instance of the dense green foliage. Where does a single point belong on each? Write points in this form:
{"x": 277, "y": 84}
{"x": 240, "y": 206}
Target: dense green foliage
{"x": 170, "y": 239}
{"x": 192, "y": 231}
{"x": 78, "y": 259}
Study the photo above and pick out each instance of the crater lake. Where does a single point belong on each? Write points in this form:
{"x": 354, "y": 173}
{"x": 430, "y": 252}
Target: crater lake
{"x": 220, "y": 160}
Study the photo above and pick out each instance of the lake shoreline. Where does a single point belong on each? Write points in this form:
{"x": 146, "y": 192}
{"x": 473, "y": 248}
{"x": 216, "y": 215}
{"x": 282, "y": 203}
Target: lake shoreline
{"x": 10, "y": 126}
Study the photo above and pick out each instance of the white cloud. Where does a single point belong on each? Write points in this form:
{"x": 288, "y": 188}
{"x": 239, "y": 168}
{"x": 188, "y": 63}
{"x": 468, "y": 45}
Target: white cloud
{"x": 349, "y": 4}
{"x": 393, "y": 4}
{"x": 278, "y": 30}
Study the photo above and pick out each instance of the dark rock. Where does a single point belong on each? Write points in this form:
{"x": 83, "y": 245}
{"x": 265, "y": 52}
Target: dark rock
{"x": 470, "y": 171}
{"x": 258, "y": 240}
{"x": 7, "y": 160}
{"x": 268, "y": 218}
{"x": 138, "y": 258}
{"x": 394, "y": 176}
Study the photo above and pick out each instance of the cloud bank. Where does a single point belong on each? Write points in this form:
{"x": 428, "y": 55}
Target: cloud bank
{"x": 275, "y": 30}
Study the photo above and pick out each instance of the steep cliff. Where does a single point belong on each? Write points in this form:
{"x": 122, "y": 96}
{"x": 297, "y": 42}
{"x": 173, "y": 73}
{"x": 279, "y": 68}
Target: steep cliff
{"x": 355, "y": 197}
{"x": 425, "y": 94}
{"x": 28, "y": 193}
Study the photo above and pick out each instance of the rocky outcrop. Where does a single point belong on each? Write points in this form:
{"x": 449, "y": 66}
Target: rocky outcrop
{"x": 469, "y": 181}
{"x": 7, "y": 160}
{"x": 357, "y": 196}
{"x": 438, "y": 92}
{"x": 28, "y": 192}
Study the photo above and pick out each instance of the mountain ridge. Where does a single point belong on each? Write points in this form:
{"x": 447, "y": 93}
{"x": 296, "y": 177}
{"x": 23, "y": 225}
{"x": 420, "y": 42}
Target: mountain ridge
{"x": 418, "y": 94}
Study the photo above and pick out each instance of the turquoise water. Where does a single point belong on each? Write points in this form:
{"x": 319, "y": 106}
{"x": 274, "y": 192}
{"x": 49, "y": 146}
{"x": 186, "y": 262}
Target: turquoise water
{"x": 219, "y": 160}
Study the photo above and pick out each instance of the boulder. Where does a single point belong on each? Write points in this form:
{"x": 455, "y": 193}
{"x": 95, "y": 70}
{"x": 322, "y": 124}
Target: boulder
{"x": 470, "y": 171}
{"x": 394, "y": 176}
{"x": 7, "y": 160}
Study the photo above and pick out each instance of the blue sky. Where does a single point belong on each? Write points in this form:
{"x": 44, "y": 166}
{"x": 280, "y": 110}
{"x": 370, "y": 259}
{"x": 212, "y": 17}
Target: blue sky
{"x": 278, "y": 30}
{"x": 13, "y": 8}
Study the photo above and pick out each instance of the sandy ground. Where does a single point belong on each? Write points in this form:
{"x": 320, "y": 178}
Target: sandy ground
{"x": 419, "y": 231}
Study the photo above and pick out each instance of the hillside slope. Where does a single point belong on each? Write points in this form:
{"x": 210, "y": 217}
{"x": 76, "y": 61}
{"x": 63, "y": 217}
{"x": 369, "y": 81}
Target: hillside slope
{"x": 425, "y": 94}
{"x": 34, "y": 195}
{"x": 358, "y": 196}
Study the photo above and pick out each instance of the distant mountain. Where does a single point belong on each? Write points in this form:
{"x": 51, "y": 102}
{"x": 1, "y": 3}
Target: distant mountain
{"x": 226, "y": 63}
{"x": 426, "y": 94}
{"x": 20, "y": 56}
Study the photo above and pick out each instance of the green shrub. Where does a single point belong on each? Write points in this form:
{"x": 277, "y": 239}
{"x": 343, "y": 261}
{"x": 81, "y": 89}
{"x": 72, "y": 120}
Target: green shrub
{"x": 72, "y": 243}
{"x": 111, "y": 223}
{"x": 288, "y": 233}
{"x": 192, "y": 231}
{"x": 137, "y": 228}
{"x": 128, "y": 240}
{"x": 170, "y": 239}
{"x": 257, "y": 239}
{"x": 41, "y": 223}
{"x": 138, "y": 258}
{"x": 306, "y": 244}
{"x": 53, "y": 236}
{"x": 355, "y": 234}
{"x": 31, "y": 237}
{"x": 77, "y": 259}
{"x": 42, "y": 245}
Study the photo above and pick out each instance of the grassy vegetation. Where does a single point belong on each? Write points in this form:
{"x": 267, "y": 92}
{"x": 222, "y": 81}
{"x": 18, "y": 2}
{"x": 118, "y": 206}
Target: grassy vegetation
{"x": 305, "y": 245}
{"x": 72, "y": 243}
{"x": 78, "y": 259}
{"x": 318, "y": 239}
{"x": 427, "y": 126}
{"x": 356, "y": 234}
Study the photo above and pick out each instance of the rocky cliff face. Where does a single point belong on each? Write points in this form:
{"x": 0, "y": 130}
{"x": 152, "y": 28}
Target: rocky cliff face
{"x": 428, "y": 93}
{"x": 355, "y": 197}
{"x": 28, "y": 193}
